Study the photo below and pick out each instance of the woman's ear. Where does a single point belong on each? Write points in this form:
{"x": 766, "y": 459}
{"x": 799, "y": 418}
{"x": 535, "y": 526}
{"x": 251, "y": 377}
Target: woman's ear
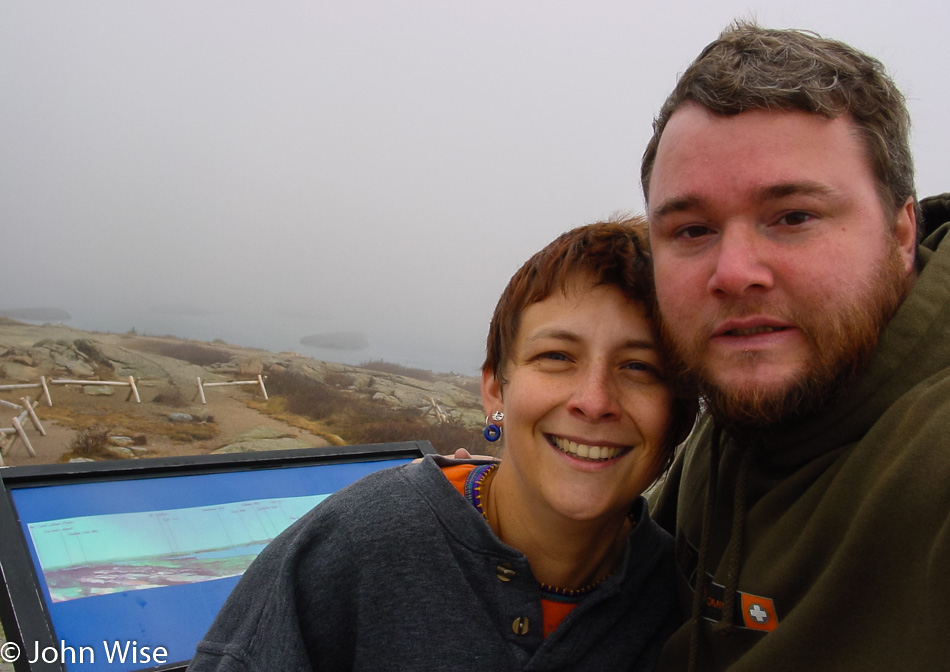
{"x": 491, "y": 393}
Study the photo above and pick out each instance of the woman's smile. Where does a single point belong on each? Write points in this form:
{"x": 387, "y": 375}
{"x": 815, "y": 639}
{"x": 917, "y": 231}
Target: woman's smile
{"x": 593, "y": 451}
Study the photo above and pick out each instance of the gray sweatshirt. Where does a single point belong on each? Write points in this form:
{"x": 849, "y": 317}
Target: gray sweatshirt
{"x": 400, "y": 572}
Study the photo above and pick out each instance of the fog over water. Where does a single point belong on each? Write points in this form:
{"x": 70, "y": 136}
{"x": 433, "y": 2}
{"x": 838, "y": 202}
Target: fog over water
{"x": 263, "y": 171}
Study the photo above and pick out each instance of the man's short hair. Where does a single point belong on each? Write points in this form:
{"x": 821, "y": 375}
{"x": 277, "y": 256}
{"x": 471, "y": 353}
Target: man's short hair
{"x": 753, "y": 68}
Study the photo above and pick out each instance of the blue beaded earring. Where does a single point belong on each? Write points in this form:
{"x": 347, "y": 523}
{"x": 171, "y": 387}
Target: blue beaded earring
{"x": 492, "y": 430}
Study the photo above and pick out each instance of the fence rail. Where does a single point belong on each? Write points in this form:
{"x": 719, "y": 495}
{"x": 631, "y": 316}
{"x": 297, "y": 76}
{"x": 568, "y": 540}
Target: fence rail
{"x": 202, "y": 386}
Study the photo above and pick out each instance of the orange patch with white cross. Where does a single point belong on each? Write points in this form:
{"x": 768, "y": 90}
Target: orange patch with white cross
{"x": 758, "y": 613}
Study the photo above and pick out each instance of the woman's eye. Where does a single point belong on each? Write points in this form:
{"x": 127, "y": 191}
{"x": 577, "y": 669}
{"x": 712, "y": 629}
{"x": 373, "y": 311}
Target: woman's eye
{"x": 551, "y": 361}
{"x": 641, "y": 369}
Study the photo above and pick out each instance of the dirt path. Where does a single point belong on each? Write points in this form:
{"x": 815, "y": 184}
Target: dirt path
{"x": 231, "y": 416}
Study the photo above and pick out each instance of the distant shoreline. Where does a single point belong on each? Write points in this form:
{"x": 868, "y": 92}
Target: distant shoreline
{"x": 36, "y": 314}
{"x": 349, "y": 348}
{"x": 275, "y": 331}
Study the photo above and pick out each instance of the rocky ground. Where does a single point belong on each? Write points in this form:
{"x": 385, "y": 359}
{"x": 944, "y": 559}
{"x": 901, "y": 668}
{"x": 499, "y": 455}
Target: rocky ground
{"x": 171, "y": 420}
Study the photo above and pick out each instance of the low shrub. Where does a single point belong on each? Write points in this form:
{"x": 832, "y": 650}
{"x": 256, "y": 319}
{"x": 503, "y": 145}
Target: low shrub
{"x": 358, "y": 419}
{"x": 388, "y": 367}
{"x": 193, "y": 353}
{"x": 104, "y": 367}
{"x": 304, "y": 395}
{"x": 190, "y": 432}
{"x": 91, "y": 443}
{"x": 338, "y": 379}
{"x": 445, "y": 437}
{"x": 170, "y": 395}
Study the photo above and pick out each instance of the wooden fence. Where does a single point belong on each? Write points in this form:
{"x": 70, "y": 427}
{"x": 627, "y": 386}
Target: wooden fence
{"x": 9, "y": 435}
{"x": 202, "y": 386}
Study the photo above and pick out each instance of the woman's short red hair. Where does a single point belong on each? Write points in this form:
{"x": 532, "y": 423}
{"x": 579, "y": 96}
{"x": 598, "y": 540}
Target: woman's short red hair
{"x": 611, "y": 253}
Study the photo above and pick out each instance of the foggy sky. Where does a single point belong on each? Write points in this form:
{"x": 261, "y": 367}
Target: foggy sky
{"x": 375, "y": 166}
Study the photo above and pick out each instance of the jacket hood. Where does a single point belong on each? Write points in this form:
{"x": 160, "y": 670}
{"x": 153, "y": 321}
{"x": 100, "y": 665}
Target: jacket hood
{"x": 936, "y": 212}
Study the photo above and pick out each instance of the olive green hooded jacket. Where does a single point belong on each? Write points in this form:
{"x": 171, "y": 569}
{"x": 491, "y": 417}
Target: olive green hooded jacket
{"x": 827, "y": 540}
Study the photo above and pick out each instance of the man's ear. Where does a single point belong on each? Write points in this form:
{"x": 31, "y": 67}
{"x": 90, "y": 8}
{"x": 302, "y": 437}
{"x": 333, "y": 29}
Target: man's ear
{"x": 905, "y": 230}
{"x": 491, "y": 393}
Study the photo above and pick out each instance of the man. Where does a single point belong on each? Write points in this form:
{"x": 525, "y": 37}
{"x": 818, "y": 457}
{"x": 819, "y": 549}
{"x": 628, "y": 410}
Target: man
{"x": 811, "y": 505}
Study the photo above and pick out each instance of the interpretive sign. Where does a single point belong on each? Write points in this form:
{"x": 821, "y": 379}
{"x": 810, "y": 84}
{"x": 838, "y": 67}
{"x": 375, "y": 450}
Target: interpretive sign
{"x": 121, "y": 566}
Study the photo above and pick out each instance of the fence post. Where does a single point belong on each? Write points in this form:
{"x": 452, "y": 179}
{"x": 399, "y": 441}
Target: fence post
{"x": 49, "y": 399}
{"x": 19, "y": 430}
{"x": 133, "y": 391}
{"x": 201, "y": 391}
{"x": 260, "y": 379}
{"x": 32, "y": 413}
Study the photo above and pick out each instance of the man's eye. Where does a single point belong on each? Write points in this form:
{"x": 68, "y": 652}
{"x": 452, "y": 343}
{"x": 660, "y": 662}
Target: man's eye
{"x": 695, "y": 231}
{"x": 795, "y": 218}
{"x": 557, "y": 356}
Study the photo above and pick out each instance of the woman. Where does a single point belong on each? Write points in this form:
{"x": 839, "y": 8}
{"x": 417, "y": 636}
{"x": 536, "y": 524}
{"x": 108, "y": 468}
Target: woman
{"x": 547, "y": 560}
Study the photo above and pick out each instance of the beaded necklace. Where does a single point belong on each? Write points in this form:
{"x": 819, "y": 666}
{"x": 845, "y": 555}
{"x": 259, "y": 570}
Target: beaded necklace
{"x": 474, "y": 483}
{"x": 473, "y": 492}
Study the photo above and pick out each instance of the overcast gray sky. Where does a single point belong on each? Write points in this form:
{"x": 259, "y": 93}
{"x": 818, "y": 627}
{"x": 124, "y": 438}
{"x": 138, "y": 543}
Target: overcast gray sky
{"x": 295, "y": 167}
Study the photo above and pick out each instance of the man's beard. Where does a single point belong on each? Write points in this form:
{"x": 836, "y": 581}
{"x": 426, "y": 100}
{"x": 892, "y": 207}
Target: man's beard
{"x": 840, "y": 345}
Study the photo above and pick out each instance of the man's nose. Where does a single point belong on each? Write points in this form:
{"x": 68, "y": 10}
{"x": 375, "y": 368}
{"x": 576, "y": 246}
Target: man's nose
{"x": 741, "y": 263}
